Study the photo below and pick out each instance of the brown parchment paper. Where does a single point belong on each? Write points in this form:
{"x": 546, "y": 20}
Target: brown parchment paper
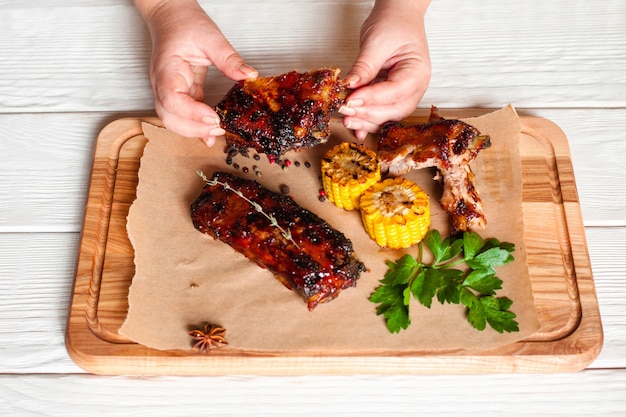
{"x": 184, "y": 278}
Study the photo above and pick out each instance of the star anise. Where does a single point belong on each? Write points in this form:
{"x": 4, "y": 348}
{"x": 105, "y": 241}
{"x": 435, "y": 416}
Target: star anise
{"x": 210, "y": 337}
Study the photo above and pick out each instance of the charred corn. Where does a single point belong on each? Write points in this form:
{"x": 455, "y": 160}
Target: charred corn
{"x": 348, "y": 169}
{"x": 395, "y": 213}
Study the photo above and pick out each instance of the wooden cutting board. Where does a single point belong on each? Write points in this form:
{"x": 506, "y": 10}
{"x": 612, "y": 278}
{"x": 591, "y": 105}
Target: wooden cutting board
{"x": 569, "y": 339}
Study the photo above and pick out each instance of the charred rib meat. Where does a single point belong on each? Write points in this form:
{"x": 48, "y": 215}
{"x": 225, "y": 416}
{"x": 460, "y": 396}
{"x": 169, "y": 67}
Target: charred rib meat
{"x": 274, "y": 115}
{"x": 447, "y": 144}
{"x": 300, "y": 249}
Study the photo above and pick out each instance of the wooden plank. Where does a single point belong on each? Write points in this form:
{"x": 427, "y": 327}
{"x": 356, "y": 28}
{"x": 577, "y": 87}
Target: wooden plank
{"x": 569, "y": 338}
{"x": 94, "y": 56}
{"x": 490, "y": 54}
{"x": 589, "y": 393}
{"x": 608, "y": 263}
{"x": 36, "y": 272}
{"x": 47, "y": 161}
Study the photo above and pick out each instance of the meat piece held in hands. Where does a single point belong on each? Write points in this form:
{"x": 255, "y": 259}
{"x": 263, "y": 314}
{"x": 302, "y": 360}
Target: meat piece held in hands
{"x": 274, "y": 115}
{"x": 447, "y": 144}
{"x": 303, "y": 251}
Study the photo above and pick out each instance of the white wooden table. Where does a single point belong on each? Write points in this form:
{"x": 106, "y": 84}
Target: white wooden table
{"x": 69, "y": 68}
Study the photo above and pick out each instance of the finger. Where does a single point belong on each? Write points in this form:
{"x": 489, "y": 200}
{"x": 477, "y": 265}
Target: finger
{"x": 178, "y": 92}
{"x": 364, "y": 70}
{"x": 371, "y": 117}
{"x": 184, "y": 106}
{"x": 187, "y": 127}
{"x": 235, "y": 68}
{"x": 406, "y": 80}
{"x": 389, "y": 100}
{"x": 361, "y": 134}
{"x": 380, "y": 113}
{"x": 209, "y": 140}
{"x": 385, "y": 100}
{"x": 361, "y": 127}
{"x": 196, "y": 90}
{"x": 229, "y": 62}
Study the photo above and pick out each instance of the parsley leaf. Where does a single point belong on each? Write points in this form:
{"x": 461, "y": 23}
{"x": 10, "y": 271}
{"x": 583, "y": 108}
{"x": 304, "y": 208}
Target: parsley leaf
{"x": 424, "y": 286}
{"x": 400, "y": 271}
{"x": 490, "y": 258}
{"x": 473, "y": 286}
{"x": 472, "y": 243}
{"x": 483, "y": 281}
{"x": 449, "y": 290}
{"x": 392, "y": 307}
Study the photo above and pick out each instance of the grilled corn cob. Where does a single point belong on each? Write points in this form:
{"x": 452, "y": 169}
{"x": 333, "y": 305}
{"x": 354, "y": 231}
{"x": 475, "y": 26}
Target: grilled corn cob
{"x": 395, "y": 213}
{"x": 348, "y": 169}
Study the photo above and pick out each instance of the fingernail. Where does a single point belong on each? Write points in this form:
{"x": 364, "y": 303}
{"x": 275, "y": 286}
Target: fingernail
{"x": 347, "y": 111}
{"x": 355, "y": 102}
{"x": 360, "y": 134}
{"x": 248, "y": 70}
{"x": 353, "y": 125}
{"x": 211, "y": 120}
{"x": 218, "y": 131}
{"x": 352, "y": 79}
{"x": 209, "y": 141}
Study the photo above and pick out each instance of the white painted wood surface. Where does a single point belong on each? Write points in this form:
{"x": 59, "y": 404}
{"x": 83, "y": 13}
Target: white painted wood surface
{"x": 68, "y": 68}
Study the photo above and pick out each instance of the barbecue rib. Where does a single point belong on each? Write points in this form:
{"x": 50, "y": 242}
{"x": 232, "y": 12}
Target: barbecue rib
{"x": 450, "y": 146}
{"x": 316, "y": 260}
{"x": 274, "y": 115}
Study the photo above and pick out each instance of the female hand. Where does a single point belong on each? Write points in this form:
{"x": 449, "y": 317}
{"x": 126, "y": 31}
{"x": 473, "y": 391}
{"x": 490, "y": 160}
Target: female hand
{"x": 392, "y": 71}
{"x": 185, "y": 43}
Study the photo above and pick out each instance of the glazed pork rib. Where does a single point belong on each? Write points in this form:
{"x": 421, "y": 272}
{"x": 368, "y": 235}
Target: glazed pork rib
{"x": 447, "y": 144}
{"x": 316, "y": 261}
{"x": 274, "y": 115}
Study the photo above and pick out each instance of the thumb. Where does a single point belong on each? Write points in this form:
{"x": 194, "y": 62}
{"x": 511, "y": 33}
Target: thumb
{"x": 235, "y": 68}
{"x": 364, "y": 70}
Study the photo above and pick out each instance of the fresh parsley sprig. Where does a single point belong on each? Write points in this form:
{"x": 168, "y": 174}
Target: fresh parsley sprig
{"x": 474, "y": 284}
